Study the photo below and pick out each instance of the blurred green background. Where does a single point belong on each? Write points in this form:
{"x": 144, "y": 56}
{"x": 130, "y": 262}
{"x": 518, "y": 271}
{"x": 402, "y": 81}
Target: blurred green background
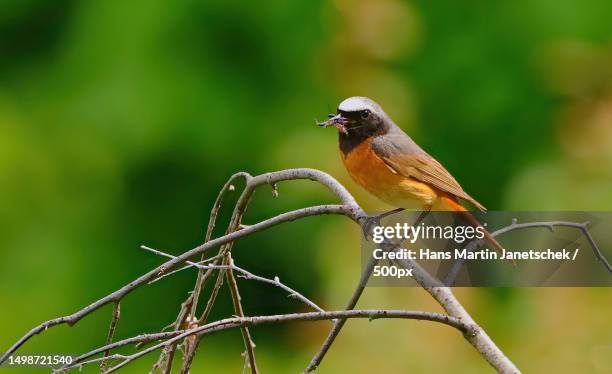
{"x": 120, "y": 121}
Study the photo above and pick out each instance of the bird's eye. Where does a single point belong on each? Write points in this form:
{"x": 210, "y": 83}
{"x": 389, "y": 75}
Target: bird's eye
{"x": 365, "y": 113}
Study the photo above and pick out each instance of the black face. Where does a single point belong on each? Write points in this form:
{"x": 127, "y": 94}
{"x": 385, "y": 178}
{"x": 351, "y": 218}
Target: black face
{"x": 361, "y": 123}
{"x": 354, "y": 127}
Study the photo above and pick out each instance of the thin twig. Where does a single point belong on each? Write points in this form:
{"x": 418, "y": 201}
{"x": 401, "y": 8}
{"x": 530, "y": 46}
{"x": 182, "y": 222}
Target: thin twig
{"x": 245, "y": 274}
{"x": 239, "y": 311}
{"x": 352, "y": 210}
{"x": 237, "y": 322}
{"x": 339, "y": 323}
{"x": 193, "y": 344}
{"x": 477, "y": 337}
{"x": 111, "y": 331}
{"x": 162, "y": 269}
{"x": 363, "y": 281}
{"x": 143, "y": 338}
{"x": 166, "y": 357}
{"x": 277, "y": 283}
{"x": 234, "y": 225}
{"x": 583, "y": 227}
{"x": 236, "y": 230}
{"x": 189, "y": 307}
{"x": 209, "y": 231}
{"x": 181, "y": 269}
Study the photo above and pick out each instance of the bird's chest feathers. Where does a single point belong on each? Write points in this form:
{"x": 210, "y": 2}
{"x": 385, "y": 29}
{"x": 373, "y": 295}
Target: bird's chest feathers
{"x": 373, "y": 174}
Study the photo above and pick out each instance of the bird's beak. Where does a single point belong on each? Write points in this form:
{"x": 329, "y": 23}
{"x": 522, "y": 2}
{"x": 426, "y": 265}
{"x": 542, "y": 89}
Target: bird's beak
{"x": 337, "y": 121}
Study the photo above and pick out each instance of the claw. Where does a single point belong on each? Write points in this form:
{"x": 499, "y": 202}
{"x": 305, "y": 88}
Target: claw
{"x": 369, "y": 224}
{"x": 373, "y": 221}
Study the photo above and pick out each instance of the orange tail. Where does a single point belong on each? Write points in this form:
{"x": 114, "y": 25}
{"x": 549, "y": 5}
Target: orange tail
{"x": 455, "y": 206}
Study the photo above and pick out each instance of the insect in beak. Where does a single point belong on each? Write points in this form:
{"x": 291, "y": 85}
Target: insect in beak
{"x": 335, "y": 120}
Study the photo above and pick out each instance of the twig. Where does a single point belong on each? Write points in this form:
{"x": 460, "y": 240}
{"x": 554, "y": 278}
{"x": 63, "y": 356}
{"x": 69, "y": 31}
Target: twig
{"x": 339, "y": 323}
{"x": 363, "y": 281}
{"x": 277, "y": 283}
{"x": 245, "y": 274}
{"x": 209, "y": 230}
{"x": 583, "y": 227}
{"x": 551, "y": 224}
{"x": 477, "y": 337}
{"x": 189, "y": 307}
{"x": 166, "y": 357}
{"x": 352, "y": 210}
{"x": 237, "y": 322}
{"x": 162, "y": 269}
{"x": 457, "y": 315}
{"x": 143, "y": 338}
{"x": 224, "y": 253}
{"x": 192, "y": 345}
{"x": 238, "y": 309}
{"x": 181, "y": 269}
{"x": 111, "y": 331}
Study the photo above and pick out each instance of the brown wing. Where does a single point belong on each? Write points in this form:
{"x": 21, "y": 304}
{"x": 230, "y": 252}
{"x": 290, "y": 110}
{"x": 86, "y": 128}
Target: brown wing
{"x": 425, "y": 168}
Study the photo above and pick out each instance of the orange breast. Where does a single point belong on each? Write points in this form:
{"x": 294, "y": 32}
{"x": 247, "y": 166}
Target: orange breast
{"x": 373, "y": 174}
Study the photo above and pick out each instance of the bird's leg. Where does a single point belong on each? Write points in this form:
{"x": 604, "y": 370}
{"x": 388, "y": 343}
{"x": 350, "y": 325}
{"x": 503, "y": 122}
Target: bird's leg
{"x": 373, "y": 221}
{"x": 422, "y": 216}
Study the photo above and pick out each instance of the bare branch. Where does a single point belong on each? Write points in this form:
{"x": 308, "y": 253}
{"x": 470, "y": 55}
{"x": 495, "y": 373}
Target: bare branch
{"x": 143, "y": 338}
{"x": 457, "y": 315}
{"x": 339, "y": 323}
{"x": 209, "y": 230}
{"x": 189, "y": 307}
{"x": 365, "y": 276}
{"x": 583, "y": 227}
{"x": 277, "y": 283}
{"x": 192, "y": 345}
{"x": 246, "y": 275}
{"x": 241, "y": 206}
{"x": 477, "y": 337}
{"x": 238, "y": 309}
{"x": 165, "y": 267}
{"x": 225, "y": 256}
{"x": 182, "y": 268}
{"x": 111, "y": 331}
{"x": 237, "y": 322}
{"x": 550, "y": 225}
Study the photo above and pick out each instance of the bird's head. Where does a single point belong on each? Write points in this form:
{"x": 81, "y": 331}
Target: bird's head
{"x": 358, "y": 115}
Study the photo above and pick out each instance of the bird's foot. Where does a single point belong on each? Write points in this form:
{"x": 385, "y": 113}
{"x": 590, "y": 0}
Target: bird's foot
{"x": 370, "y": 222}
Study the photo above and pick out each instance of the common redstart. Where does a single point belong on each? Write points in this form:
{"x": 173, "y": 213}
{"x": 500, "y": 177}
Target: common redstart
{"x": 385, "y": 161}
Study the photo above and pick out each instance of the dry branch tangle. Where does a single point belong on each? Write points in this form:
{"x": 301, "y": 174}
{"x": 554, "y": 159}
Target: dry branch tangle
{"x": 165, "y": 267}
{"x": 237, "y": 322}
{"x": 456, "y": 316}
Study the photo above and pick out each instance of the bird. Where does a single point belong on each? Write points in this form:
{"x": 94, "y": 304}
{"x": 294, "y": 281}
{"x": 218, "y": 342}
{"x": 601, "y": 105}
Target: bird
{"x": 386, "y": 162}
